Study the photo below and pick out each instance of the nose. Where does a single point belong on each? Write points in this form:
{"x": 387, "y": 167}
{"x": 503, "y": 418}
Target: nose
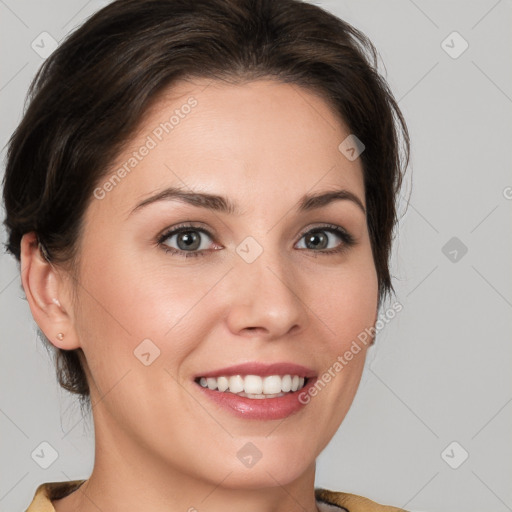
{"x": 265, "y": 297}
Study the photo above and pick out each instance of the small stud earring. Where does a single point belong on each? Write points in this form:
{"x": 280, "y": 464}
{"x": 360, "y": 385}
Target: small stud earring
{"x": 60, "y": 336}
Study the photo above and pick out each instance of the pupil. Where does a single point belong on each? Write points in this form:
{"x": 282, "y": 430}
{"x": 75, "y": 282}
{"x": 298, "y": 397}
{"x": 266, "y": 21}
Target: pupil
{"x": 190, "y": 240}
{"x": 315, "y": 237}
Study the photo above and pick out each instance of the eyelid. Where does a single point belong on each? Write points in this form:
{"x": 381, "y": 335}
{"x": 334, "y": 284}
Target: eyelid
{"x": 167, "y": 232}
{"x": 326, "y": 227}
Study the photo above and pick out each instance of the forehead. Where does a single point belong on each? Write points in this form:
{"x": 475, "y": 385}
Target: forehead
{"x": 254, "y": 141}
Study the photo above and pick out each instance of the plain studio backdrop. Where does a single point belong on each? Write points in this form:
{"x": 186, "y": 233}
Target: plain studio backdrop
{"x": 429, "y": 429}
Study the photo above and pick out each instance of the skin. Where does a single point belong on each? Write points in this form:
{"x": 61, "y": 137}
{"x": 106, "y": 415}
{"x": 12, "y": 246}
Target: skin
{"x": 159, "y": 443}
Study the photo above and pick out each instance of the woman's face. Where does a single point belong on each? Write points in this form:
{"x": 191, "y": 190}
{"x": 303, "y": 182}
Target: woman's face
{"x": 156, "y": 310}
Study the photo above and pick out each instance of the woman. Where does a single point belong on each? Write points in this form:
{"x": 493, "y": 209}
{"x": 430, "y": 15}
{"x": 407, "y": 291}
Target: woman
{"x": 202, "y": 196}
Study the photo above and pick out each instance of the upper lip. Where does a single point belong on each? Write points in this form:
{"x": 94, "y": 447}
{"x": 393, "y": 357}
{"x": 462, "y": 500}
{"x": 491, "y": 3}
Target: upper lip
{"x": 262, "y": 369}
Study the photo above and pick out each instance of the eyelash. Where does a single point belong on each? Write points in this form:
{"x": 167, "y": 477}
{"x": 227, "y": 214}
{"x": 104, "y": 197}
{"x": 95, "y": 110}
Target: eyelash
{"x": 347, "y": 239}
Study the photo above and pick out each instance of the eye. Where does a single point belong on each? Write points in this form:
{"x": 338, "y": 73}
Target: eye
{"x": 322, "y": 238}
{"x": 187, "y": 239}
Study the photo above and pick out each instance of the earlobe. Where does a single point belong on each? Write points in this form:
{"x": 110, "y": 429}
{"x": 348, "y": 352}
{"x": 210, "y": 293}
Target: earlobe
{"x": 47, "y": 295}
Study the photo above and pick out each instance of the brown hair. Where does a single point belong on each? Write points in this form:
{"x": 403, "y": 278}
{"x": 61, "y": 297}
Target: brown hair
{"x": 90, "y": 95}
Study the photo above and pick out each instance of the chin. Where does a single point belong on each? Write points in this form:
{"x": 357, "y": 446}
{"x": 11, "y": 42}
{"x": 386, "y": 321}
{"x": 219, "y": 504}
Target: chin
{"x": 264, "y": 476}
{"x": 275, "y": 467}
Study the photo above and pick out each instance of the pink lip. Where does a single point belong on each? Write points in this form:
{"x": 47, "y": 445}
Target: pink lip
{"x": 264, "y": 408}
{"x": 261, "y": 369}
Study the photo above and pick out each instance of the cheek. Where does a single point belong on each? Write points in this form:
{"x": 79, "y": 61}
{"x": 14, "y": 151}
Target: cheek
{"x": 127, "y": 297}
{"x": 345, "y": 300}
{"x": 129, "y": 302}
{"x": 348, "y": 316}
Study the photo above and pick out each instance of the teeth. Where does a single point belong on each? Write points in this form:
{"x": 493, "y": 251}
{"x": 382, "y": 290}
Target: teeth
{"x": 254, "y": 386}
{"x": 272, "y": 385}
{"x": 222, "y": 383}
{"x": 286, "y": 383}
{"x": 236, "y": 384}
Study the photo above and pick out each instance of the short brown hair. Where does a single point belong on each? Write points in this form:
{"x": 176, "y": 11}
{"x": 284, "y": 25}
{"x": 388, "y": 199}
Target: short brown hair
{"x": 91, "y": 93}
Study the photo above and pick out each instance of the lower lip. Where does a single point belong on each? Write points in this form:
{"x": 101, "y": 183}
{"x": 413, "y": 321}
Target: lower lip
{"x": 260, "y": 408}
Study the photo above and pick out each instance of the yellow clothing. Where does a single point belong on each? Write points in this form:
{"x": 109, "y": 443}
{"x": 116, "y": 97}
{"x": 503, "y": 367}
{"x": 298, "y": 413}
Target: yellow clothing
{"x": 327, "y": 501}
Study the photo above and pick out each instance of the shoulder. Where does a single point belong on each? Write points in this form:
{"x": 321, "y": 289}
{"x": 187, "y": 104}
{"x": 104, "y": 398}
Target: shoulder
{"x": 351, "y": 502}
{"x": 45, "y": 493}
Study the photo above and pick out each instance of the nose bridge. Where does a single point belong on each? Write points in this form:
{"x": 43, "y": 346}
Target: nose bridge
{"x": 265, "y": 291}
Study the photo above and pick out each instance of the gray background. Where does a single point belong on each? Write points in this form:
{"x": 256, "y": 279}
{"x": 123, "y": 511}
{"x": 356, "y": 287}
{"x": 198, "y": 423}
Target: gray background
{"x": 440, "y": 371}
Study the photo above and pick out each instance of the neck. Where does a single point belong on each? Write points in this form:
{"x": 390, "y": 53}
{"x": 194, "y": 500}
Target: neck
{"x": 128, "y": 476}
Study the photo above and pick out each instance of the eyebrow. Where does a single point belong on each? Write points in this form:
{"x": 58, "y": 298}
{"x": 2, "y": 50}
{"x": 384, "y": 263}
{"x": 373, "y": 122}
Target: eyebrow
{"x": 224, "y": 205}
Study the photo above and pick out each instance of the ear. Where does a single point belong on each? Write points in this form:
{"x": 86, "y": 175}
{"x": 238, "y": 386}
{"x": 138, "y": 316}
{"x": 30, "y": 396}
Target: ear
{"x": 48, "y": 294}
